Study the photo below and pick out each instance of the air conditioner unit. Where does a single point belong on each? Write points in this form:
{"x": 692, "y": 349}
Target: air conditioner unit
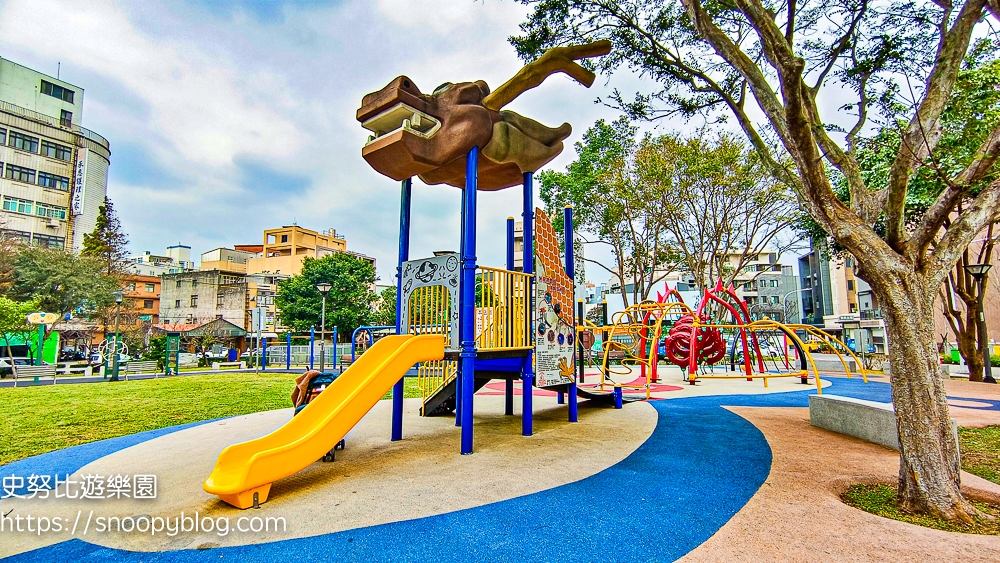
{"x": 53, "y": 222}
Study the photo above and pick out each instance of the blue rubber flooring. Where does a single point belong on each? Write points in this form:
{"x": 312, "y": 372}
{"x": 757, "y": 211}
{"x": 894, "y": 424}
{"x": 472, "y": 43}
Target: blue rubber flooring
{"x": 700, "y": 466}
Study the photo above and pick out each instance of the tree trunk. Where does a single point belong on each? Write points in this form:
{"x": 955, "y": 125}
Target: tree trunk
{"x": 929, "y": 469}
{"x": 967, "y": 348}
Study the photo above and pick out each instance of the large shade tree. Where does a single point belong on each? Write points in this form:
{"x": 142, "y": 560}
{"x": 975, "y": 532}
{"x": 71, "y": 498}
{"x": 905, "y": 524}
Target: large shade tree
{"x": 349, "y": 303}
{"x": 819, "y": 72}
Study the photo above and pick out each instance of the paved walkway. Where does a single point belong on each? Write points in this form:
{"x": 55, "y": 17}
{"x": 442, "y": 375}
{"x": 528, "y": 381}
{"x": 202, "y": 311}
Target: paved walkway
{"x": 700, "y": 466}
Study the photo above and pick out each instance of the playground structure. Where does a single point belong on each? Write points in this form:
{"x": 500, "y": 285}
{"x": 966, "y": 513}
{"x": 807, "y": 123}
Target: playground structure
{"x": 463, "y": 323}
{"x": 697, "y": 340}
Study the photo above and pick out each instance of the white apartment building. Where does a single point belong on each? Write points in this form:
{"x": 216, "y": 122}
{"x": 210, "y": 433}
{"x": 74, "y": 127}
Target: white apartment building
{"x": 177, "y": 260}
{"x": 53, "y": 172}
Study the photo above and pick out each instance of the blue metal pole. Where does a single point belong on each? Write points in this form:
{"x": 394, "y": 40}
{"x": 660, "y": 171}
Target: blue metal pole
{"x": 528, "y": 260}
{"x": 263, "y": 354}
{"x": 467, "y": 301}
{"x": 618, "y": 397}
{"x": 461, "y": 252}
{"x": 508, "y": 404}
{"x": 570, "y": 271}
{"x": 288, "y": 350}
{"x": 404, "y": 255}
{"x": 312, "y": 344}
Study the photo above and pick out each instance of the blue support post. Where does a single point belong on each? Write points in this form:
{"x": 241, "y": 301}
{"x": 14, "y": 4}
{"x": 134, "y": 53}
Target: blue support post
{"x": 508, "y": 404}
{"x": 467, "y": 302}
{"x": 404, "y": 255}
{"x": 570, "y": 271}
{"x": 312, "y": 344}
{"x": 560, "y": 398}
{"x": 263, "y": 354}
{"x": 618, "y": 397}
{"x": 288, "y": 350}
{"x": 528, "y": 260}
{"x": 461, "y": 253}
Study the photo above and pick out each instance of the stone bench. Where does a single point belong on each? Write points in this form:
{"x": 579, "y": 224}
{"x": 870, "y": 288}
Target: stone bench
{"x": 869, "y": 420}
{"x": 218, "y": 365}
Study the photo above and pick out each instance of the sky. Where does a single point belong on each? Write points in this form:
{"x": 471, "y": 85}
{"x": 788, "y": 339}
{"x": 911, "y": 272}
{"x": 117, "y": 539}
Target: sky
{"x": 226, "y": 118}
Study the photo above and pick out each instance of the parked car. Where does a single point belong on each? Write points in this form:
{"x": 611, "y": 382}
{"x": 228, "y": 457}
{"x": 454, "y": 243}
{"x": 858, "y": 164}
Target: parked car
{"x": 70, "y": 354}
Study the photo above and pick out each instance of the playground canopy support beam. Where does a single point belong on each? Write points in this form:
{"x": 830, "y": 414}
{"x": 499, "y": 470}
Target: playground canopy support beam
{"x": 508, "y": 404}
{"x": 570, "y": 270}
{"x": 467, "y": 326}
{"x": 404, "y": 255}
{"x": 528, "y": 261}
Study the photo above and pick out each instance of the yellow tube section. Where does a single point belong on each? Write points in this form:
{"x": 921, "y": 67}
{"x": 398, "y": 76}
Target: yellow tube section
{"x": 248, "y": 469}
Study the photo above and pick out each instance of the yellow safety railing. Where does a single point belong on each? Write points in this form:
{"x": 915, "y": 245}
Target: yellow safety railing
{"x": 502, "y": 321}
{"x": 430, "y": 311}
{"x": 433, "y": 375}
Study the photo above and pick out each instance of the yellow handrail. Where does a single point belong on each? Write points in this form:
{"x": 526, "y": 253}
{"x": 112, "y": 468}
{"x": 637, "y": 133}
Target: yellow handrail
{"x": 502, "y": 321}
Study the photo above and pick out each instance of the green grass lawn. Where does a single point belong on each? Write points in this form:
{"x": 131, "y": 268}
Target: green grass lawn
{"x": 50, "y": 417}
{"x": 980, "y": 449}
{"x": 881, "y": 500}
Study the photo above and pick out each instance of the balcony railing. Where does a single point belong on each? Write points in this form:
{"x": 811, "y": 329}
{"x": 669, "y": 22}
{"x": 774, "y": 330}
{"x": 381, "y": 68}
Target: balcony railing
{"x": 54, "y": 122}
{"x": 871, "y": 314}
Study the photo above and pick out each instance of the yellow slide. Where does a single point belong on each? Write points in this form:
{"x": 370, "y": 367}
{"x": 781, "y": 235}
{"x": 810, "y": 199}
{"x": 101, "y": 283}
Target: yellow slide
{"x": 248, "y": 469}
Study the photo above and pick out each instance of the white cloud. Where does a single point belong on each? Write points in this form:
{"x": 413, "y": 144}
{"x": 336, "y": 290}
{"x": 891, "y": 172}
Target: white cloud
{"x": 199, "y": 91}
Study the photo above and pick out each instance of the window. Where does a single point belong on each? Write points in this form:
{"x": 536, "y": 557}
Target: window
{"x": 218, "y": 300}
{"x": 49, "y": 241}
{"x": 178, "y": 285}
{"x": 150, "y": 288}
{"x": 66, "y": 118}
{"x": 147, "y": 303}
{"x": 47, "y": 180}
{"x": 130, "y": 286}
{"x": 3, "y": 136}
{"x": 57, "y": 151}
{"x": 284, "y": 238}
{"x": 774, "y": 299}
{"x": 16, "y": 205}
{"x": 57, "y": 91}
{"x": 21, "y": 174}
{"x": 177, "y": 304}
{"x": 194, "y": 282}
{"x": 194, "y": 300}
{"x": 850, "y": 285}
{"x": 54, "y": 212}
{"x": 23, "y": 142}
{"x": 19, "y": 236}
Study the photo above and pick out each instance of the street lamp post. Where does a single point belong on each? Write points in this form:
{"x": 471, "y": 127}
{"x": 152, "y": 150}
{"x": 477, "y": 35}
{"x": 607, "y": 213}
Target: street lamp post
{"x": 978, "y": 272}
{"x": 323, "y": 289}
{"x": 114, "y": 350}
{"x": 784, "y": 301}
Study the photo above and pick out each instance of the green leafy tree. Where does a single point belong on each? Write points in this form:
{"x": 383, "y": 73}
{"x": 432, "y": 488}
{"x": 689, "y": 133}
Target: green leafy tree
{"x": 613, "y": 207}
{"x": 157, "y": 350}
{"x": 893, "y": 61}
{"x": 349, "y": 303}
{"x": 14, "y": 321}
{"x": 62, "y": 282}
{"x": 385, "y": 308}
